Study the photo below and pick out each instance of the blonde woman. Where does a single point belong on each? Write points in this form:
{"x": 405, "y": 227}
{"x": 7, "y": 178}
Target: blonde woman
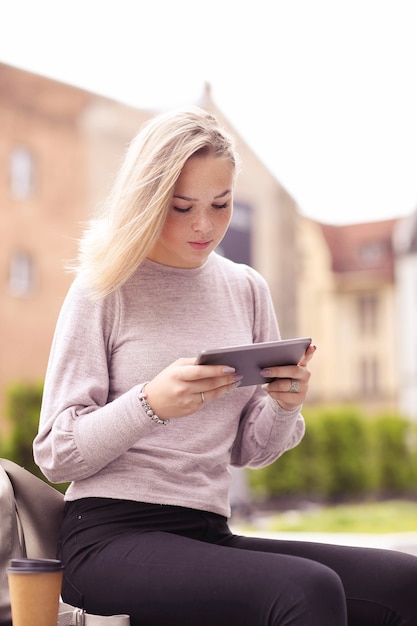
{"x": 145, "y": 436}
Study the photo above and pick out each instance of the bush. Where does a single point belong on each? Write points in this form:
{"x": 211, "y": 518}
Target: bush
{"x": 343, "y": 446}
{"x": 344, "y": 455}
{"x": 23, "y": 409}
{"x": 393, "y": 440}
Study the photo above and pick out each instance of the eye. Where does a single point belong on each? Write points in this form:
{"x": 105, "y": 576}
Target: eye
{"x": 181, "y": 209}
{"x": 220, "y": 206}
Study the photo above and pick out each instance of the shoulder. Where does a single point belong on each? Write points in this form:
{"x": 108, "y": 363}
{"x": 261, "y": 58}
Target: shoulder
{"x": 79, "y": 301}
{"x": 250, "y": 292}
{"x": 241, "y": 273}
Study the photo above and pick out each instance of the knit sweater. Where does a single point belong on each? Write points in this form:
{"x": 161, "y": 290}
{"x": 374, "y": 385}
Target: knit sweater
{"x": 93, "y": 430}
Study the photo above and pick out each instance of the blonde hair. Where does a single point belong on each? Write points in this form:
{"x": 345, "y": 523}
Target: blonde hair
{"x": 131, "y": 219}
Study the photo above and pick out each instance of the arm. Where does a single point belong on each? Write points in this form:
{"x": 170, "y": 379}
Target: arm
{"x": 80, "y": 432}
{"x": 271, "y": 422}
{"x": 91, "y": 413}
{"x": 265, "y": 432}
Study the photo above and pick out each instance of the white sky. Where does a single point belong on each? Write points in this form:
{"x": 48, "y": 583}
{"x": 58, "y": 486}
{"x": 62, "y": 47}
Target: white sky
{"x": 324, "y": 91}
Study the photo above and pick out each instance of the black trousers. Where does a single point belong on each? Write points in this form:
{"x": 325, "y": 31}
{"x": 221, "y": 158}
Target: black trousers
{"x": 172, "y": 566}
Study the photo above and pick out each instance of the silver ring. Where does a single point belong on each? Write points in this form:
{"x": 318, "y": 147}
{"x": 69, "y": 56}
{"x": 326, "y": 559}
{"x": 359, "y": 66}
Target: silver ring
{"x": 294, "y": 386}
{"x": 202, "y": 396}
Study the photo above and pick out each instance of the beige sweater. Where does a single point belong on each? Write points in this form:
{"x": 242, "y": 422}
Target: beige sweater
{"x": 93, "y": 430}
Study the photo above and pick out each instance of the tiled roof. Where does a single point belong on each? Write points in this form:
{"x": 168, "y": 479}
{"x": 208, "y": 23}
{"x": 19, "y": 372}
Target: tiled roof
{"x": 361, "y": 247}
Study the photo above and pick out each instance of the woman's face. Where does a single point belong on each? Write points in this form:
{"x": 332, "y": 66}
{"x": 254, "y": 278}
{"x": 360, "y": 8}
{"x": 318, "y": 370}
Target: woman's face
{"x": 200, "y": 212}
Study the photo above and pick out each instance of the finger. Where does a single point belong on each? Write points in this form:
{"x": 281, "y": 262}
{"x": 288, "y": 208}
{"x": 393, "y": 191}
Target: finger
{"x": 211, "y": 388}
{"x": 200, "y": 372}
{"x": 288, "y": 399}
{"x": 308, "y": 355}
{"x": 284, "y": 386}
{"x": 281, "y": 372}
{"x": 294, "y": 386}
{"x": 218, "y": 387}
{"x": 290, "y": 371}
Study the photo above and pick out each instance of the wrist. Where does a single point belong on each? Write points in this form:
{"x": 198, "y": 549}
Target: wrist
{"x": 285, "y": 408}
{"x": 143, "y": 399}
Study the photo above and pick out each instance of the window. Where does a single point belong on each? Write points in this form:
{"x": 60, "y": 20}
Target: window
{"x": 21, "y": 274}
{"x": 368, "y": 308}
{"x": 369, "y": 377}
{"x": 21, "y": 173}
{"x": 236, "y": 244}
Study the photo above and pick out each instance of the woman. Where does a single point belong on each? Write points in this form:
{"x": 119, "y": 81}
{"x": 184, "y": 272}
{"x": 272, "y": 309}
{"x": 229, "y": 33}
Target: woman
{"x": 146, "y": 436}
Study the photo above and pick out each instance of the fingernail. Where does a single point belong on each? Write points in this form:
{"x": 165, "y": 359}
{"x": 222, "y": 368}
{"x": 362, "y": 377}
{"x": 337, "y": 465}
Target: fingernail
{"x": 265, "y": 372}
{"x": 237, "y": 383}
{"x": 229, "y": 370}
{"x": 238, "y": 378}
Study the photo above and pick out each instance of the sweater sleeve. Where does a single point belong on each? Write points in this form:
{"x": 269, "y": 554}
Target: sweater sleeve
{"x": 80, "y": 431}
{"x": 266, "y": 430}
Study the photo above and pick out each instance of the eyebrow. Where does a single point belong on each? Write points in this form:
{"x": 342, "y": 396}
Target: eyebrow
{"x": 221, "y": 195}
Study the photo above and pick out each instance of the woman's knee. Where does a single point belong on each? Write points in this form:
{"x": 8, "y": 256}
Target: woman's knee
{"x": 297, "y": 591}
{"x": 324, "y": 596}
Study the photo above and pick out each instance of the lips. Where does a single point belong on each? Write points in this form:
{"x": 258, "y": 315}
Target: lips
{"x": 199, "y": 245}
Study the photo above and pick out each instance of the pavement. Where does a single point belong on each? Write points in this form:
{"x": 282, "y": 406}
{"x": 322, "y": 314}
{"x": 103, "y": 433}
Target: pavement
{"x": 257, "y": 524}
{"x": 403, "y": 542}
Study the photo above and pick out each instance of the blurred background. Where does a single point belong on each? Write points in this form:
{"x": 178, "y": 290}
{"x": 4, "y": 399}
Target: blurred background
{"x": 321, "y": 100}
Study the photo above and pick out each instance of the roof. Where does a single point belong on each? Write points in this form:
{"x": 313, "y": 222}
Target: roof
{"x": 25, "y": 90}
{"x": 364, "y": 247}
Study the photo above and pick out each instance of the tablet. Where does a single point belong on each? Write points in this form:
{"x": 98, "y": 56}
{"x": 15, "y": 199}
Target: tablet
{"x": 249, "y": 359}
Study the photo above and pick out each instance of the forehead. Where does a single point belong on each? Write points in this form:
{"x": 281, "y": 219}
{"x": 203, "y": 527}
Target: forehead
{"x": 205, "y": 174}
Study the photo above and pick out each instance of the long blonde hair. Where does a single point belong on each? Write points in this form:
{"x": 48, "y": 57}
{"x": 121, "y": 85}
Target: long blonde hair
{"x": 131, "y": 219}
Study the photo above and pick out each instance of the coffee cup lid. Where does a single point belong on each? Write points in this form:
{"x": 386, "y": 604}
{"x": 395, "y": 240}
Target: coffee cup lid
{"x": 25, "y": 566}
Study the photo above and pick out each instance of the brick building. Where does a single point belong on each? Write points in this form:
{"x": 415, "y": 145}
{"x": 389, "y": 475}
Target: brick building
{"x": 59, "y": 147}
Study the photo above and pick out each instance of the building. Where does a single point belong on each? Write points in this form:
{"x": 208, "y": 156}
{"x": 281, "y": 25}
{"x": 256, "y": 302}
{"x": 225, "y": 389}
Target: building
{"x": 59, "y": 148}
{"x": 352, "y": 288}
{"x": 347, "y": 302}
{"x": 405, "y": 245}
{"x": 43, "y": 198}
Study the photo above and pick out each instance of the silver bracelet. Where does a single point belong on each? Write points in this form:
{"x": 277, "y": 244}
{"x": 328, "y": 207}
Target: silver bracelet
{"x": 148, "y": 409}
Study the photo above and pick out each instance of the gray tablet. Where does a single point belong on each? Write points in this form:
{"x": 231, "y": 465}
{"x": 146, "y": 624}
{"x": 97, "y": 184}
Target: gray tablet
{"x": 249, "y": 359}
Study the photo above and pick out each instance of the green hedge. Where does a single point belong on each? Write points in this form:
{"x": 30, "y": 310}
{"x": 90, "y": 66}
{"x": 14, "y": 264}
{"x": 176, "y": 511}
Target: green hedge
{"x": 23, "y": 403}
{"x": 344, "y": 454}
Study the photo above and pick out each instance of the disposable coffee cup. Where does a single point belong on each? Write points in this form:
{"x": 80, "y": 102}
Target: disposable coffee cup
{"x": 35, "y": 588}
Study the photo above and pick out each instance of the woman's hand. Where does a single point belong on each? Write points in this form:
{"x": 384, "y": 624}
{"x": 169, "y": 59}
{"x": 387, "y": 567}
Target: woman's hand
{"x": 290, "y": 388}
{"x": 183, "y": 387}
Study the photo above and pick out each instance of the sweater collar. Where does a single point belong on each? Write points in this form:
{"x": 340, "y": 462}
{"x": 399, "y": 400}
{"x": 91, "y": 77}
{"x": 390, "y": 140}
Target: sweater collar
{"x": 180, "y": 271}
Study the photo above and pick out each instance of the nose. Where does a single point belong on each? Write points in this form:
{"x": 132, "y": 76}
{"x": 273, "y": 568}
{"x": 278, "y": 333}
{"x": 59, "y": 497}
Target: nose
{"x": 202, "y": 221}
